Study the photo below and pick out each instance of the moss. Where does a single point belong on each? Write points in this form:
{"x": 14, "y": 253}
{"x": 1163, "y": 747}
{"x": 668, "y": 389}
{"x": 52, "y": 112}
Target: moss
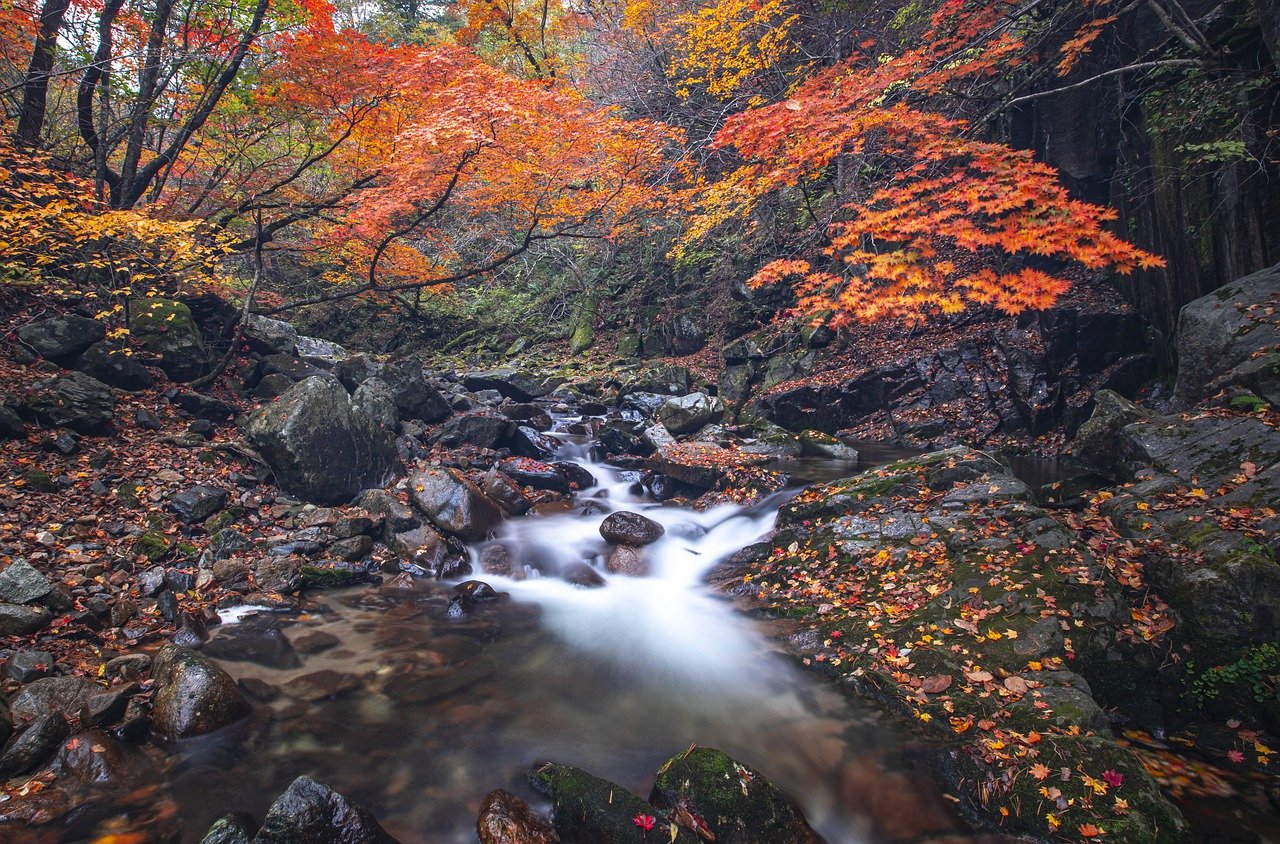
{"x": 127, "y": 492}
{"x": 226, "y": 518}
{"x": 331, "y": 575}
{"x": 152, "y": 545}
{"x": 39, "y": 481}
{"x": 587, "y": 808}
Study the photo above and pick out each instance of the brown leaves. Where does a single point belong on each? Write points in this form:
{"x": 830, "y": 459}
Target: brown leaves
{"x": 936, "y": 684}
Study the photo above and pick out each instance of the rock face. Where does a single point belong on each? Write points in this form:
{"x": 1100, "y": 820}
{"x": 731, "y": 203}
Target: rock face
{"x": 320, "y": 446}
{"x": 1221, "y": 330}
{"x": 687, "y": 414}
{"x": 454, "y": 504}
{"x": 193, "y": 696}
{"x": 624, "y": 528}
{"x": 731, "y": 800}
{"x": 506, "y": 819}
{"x": 61, "y": 338}
{"x": 311, "y": 813}
{"x": 166, "y": 328}
{"x": 75, "y": 401}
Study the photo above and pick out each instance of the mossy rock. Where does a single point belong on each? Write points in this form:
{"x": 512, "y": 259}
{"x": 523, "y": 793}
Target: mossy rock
{"x": 332, "y": 574}
{"x": 127, "y": 492}
{"x": 1026, "y": 802}
{"x": 166, "y": 328}
{"x": 39, "y": 481}
{"x": 152, "y": 545}
{"x": 226, "y": 518}
{"x": 735, "y": 802}
{"x": 589, "y": 810}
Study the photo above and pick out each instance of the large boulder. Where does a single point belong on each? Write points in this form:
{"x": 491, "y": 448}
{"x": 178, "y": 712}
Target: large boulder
{"x": 321, "y": 446}
{"x": 732, "y": 801}
{"x": 1225, "y": 328}
{"x": 515, "y": 384}
{"x": 454, "y": 504}
{"x": 76, "y": 401}
{"x": 166, "y": 328}
{"x": 687, "y": 414}
{"x": 415, "y": 397}
{"x": 22, "y": 583}
{"x": 114, "y": 365}
{"x": 193, "y": 696}
{"x": 268, "y": 336}
{"x": 312, "y": 813}
{"x": 61, "y": 338}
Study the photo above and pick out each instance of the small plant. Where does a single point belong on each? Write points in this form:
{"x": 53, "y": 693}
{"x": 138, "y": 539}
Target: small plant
{"x": 1251, "y": 404}
{"x": 1255, "y": 671}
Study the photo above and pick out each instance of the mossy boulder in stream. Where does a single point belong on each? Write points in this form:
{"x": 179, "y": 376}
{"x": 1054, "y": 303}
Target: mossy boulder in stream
{"x": 589, "y": 810}
{"x": 706, "y": 788}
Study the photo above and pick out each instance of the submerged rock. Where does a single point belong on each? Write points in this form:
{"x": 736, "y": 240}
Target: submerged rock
{"x": 193, "y": 696}
{"x": 311, "y": 813}
{"x": 706, "y": 790}
{"x": 506, "y": 819}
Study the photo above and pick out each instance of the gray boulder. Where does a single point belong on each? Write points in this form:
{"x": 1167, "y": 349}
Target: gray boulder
{"x": 193, "y": 696}
{"x": 75, "y": 401}
{"x": 454, "y": 504}
{"x": 61, "y": 338}
{"x": 268, "y": 336}
{"x": 311, "y": 813}
{"x": 515, "y": 384}
{"x": 415, "y": 397}
{"x": 21, "y": 583}
{"x": 479, "y": 429}
{"x": 320, "y": 352}
{"x": 320, "y": 446}
{"x": 376, "y": 398}
{"x": 112, "y": 365}
{"x": 1097, "y": 443}
{"x": 687, "y": 414}
{"x": 1225, "y": 328}
{"x": 624, "y": 528}
{"x": 19, "y": 620}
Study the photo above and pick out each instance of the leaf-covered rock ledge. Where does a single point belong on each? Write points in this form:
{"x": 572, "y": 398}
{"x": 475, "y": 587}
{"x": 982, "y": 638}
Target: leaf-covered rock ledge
{"x": 936, "y": 585}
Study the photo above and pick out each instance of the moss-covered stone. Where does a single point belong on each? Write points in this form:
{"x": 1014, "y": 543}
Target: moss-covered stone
{"x": 734, "y": 802}
{"x": 166, "y": 328}
{"x": 589, "y": 810}
{"x": 153, "y": 545}
{"x": 39, "y": 481}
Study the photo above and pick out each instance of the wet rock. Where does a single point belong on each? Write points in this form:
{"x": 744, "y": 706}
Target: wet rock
{"x": 33, "y": 745}
{"x": 314, "y": 642}
{"x": 94, "y": 760}
{"x": 399, "y": 517}
{"x": 166, "y": 328}
{"x": 528, "y": 442}
{"x": 1097, "y": 443}
{"x": 627, "y": 560}
{"x": 25, "y": 666}
{"x": 1223, "y": 329}
{"x": 531, "y": 415}
{"x": 533, "y": 473}
{"x": 235, "y": 828}
{"x": 479, "y": 429}
{"x": 129, "y": 666}
{"x": 74, "y": 401}
{"x": 109, "y": 364}
{"x": 105, "y": 708}
{"x": 588, "y": 809}
{"x": 583, "y": 576}
{"x": 351, "y": 549}
{"x": 515, "y": 384}
{"x": 22, "y": 583}
{"x": 19, "y": 620}
{"x": 258, "y": 640}
{"x": 332, "y": 574}
{"x": 626, "y": 528}
{"x": 430, "y": 553}
{"x": 499, "y": 487}
{"x": 61, "y": 338}
{"x": 197, "y": 503}
{"x": 687, "y": 414}
{"x": 268, "y": 336}
{"x": 734, "y": 802}
{"x": 193, "y": 696}
{"x": 818, "y": 444}
{"x": 311, "y": 813}
{"x": 325, "y": 684}
{"x": 321, "y": 447}
{"x": 617, "y": 441}
{"x": 414, "y": 396}
{"x": 577, "y": 475}
{"x": 454, "y": 504}
{"x": 506, "y": 819}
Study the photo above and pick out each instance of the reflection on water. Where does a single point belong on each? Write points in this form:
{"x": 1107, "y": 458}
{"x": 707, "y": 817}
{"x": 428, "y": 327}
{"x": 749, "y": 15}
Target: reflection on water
{"x": 418, "y": 715}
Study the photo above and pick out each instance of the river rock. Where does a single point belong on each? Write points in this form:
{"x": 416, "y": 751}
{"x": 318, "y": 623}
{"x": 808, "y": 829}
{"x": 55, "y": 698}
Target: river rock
{"x": 61, "y": 338}
{"x": 18, "y": 620}
{"x": 515, "y": 384}
{"x": 76, "y": 401}
{"x": 167, "y": 329}
{"x": 195, "y": 504}
{"x": 454, "y": 504}
{"x": 112, "y": 364}
{"x": 320, "y": 447}
{"x": 732, "y": 801}
{"x": 626, "y": 528}
{"x": 415, "y": 397}
{"x": 1224, "y": 329}
{"x": 687, "y": 414}
{"x": 233, "y": 828}
{"x": 628, "y": 560}
{"x": 582, "y": 575}
{"x": 818, "y": 444}
{"x": 506, "y": 819}
{"x": 398, "y": 516}
{"x": 588, "y": 809}
{"x": 534, "y": 473}
{"x": 528, "y": 442}
{"x": 64, "y": 694}
{"x": 482, "y": 430}
{"x": 25, "y": 666}
{"x": 509, "y": 495}
{"x": 193, "y": 696}
{"x": 33, "y": 745}
{"x": 22, "y": 583}
{"x": 311, "y": 813}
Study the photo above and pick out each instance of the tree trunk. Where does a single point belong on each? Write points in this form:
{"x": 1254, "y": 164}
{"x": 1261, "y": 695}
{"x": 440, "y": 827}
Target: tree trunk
{"x": 35, "y": 87}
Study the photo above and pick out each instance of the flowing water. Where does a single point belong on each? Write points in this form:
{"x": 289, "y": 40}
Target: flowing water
{"x": 418, "y": 715}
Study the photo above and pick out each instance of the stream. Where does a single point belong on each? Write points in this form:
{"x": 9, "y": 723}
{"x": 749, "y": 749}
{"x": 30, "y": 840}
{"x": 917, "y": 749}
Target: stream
{"x": 383, "y": 696}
